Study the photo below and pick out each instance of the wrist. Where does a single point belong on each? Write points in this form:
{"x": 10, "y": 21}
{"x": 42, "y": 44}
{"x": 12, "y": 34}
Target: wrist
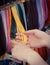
{"x": 28, "y": 56}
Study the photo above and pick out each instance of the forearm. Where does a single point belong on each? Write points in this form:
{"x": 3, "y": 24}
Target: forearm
{"x": 34, "y": 58}
{"x": 48, "y": 44}
{"x": 38, "y": 62}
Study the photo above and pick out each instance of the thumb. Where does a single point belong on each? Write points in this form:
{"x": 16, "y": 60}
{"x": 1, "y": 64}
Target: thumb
{"x": 29, "y": 32}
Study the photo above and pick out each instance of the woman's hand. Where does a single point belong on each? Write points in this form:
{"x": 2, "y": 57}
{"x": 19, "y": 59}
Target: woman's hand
{"x": 36, "y": 38}
{"x": 25, "y": 53}
{"x": 20, "y": 51}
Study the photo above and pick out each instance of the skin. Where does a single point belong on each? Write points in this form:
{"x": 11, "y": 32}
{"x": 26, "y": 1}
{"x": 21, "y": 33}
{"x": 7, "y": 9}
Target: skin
{"x": 41, "y": 38}
{"x": 36, "y": 38}
{"x": 25, "y": 53}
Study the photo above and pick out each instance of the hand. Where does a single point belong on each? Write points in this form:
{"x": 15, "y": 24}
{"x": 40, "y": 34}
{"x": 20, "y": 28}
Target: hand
{"x": 25, "y": 53}
{"x": 37, "y": 38}
{"x": 20, "y": 51}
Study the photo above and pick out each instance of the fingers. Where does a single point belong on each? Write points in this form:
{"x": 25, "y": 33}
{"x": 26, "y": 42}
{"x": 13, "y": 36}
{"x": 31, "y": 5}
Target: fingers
{"x": 22, "y": 37}
{"x": 34, "y": 32}
{"x": 40, "y": 34}
{"x": 29, "y": 32}
{"x": 18, "y": 36}
{"x": 37, "y": 33}
{"x": 14, "y": 43}
{"x": 21, "y": 34}
{"x": 30, "y": 36}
